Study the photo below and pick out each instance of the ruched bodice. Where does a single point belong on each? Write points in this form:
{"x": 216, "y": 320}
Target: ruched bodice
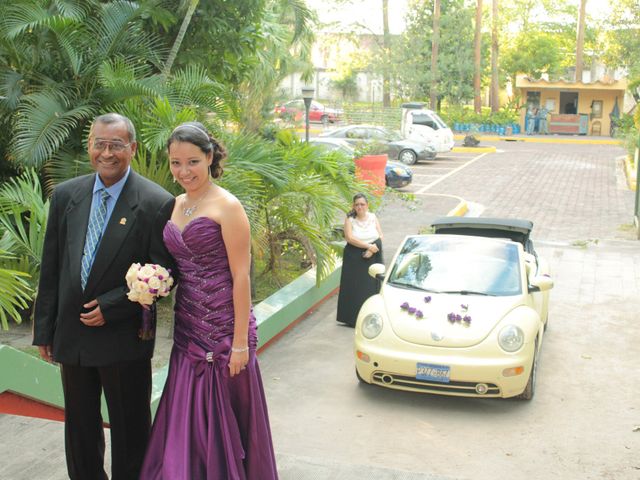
{"x": 204, "y": 296}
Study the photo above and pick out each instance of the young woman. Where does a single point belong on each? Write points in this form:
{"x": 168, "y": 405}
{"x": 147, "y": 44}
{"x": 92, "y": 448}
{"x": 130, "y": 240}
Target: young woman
{"x": 364, "y": 247}
{"x": 212, "y": 420}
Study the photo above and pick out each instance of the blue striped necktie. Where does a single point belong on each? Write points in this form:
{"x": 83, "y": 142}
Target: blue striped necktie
{"x": 94, "y": 233}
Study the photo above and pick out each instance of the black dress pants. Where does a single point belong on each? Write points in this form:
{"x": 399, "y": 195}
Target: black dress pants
{"x": 127, "y": 390}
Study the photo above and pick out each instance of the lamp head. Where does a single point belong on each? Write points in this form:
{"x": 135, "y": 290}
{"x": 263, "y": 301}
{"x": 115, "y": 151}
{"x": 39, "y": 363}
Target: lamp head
{"x": 307, "y": 92}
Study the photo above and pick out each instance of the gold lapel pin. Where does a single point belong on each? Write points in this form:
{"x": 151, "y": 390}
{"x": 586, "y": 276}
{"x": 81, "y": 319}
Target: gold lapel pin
{"x": 123, "y": 221}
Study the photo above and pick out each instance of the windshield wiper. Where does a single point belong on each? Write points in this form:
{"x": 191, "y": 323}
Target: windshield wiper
{"x": 466, "y": 292}
{"x": 408, "y": 286}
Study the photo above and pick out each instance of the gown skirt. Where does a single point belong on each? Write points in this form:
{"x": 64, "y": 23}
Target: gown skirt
{"x": 356, "y": 285}
{"x": 209, "y": 425}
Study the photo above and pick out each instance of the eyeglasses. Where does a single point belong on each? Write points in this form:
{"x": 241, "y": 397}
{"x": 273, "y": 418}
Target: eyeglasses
{"x": 115, "y": 147}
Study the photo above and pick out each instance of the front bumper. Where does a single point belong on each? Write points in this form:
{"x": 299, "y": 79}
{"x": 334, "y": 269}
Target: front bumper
{"x": 397, "y": 368}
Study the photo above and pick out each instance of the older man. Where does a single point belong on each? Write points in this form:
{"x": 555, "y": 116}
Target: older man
{"x": 99, "y": 225}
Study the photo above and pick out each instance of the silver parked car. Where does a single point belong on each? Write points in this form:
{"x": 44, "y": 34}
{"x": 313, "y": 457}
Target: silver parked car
{"x": 404, "y": 150}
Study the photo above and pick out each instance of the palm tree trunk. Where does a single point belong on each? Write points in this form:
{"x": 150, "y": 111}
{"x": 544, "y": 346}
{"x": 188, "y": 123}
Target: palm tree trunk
{"x": 193, "y": 4}
{"x": 580, "y": 40}
{"x": 477, "y": 42}
{"x": 435, "y": 44}
{"x": 495, "y": 84}
{"x": 386, "y": 77}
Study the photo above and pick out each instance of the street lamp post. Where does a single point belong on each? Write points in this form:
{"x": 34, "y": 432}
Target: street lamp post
{"x": 307, "y": 95}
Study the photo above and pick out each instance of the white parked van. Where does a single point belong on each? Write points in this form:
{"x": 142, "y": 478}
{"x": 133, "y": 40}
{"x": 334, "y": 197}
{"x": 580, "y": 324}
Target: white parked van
{"x": 424, "y": 125}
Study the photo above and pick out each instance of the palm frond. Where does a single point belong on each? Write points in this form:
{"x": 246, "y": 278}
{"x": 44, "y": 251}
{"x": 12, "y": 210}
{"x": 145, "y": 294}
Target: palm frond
{"x": 155, "y": 167}
{"x": 14, "y": 293}
{"x": 65, "y": 164}
{"x": 78, "y": 10}
{"x": 21, "y": 192}
{"x": 43, "y": 126}
{"x": 23, "y": 215}
{"x": 250, "y": 153}
{"x": 70, "y": 35}
{"x": 10, "y": 88}
{"x": 23, "y": 17}
{"x": 160, "y": 122}
{"x": 118, "y": 32}
{"x": 193, "y": 86}
{"x": 122, "y": 79}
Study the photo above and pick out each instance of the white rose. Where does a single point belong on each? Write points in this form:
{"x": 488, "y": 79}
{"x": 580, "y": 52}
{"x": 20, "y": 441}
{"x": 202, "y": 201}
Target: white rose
{"x": 169, "y": 282}
{"x": 164, "y": 292}
{"x": 146, "y": 298}
{"x": 133, "y": 296}
{"x": 154, "y": 282}
{"x": 146, "y": 272}
{"x": 162, "y": 272}
{"x": 132, "y": 273}
{"x": 140, "y": 286}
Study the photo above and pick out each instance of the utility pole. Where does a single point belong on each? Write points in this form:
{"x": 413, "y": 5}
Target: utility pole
{"x": 477, "y": 42}
{"x": 580, "y": 40}
{"x": 435, "y": 44}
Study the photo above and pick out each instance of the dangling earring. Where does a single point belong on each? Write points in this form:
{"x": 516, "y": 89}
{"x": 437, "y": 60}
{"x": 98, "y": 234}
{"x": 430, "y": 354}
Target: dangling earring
{"x": 174, "y": 180}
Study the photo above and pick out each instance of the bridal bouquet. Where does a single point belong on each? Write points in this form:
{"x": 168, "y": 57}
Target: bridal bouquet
{"x": 146, "y": 283}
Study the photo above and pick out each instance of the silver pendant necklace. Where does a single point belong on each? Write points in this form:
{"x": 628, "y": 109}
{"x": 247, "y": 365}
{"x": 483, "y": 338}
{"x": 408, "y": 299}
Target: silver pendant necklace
{"x": 188, "y": 211}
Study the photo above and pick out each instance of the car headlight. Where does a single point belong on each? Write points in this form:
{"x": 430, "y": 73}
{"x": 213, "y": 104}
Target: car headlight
{"x": 371, "y": 325}
{"x": 511, "y": 338}
{"x": 399, "y": 171}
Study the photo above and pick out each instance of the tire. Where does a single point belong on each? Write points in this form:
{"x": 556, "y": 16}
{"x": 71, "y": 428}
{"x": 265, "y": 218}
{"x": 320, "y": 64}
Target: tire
{"x": 530, "y": 389}
{"x": 408, "y": 157}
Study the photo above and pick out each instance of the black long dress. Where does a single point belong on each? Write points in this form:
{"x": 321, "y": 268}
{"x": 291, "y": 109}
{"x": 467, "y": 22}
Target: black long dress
{"x": 356, "y": 285}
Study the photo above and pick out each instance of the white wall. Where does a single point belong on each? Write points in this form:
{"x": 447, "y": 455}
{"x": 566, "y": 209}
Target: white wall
{"x": 369, "y": 87}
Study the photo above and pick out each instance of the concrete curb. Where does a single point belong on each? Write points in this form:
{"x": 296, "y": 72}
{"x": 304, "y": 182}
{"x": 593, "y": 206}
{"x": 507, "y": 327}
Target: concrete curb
{"x": 460, "y": 210}
{"x": 630, "y": 173}
{"x": 543, "y": 139}
{"x": 485, "y": 149}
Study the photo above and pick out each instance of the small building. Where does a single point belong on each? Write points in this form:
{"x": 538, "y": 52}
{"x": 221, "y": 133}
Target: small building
{"x": 575, "y": 108}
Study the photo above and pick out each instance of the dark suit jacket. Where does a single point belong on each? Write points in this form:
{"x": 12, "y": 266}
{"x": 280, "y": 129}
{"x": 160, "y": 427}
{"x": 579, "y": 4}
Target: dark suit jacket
{"x": 133, "y": 234}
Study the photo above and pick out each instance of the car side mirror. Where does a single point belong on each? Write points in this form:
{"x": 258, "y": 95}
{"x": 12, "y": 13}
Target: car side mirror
{"x": 377, "y": 271}
{"x": 539, "y": 283}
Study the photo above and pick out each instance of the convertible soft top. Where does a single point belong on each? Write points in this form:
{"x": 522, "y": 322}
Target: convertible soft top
{"x": 512, "y": 228}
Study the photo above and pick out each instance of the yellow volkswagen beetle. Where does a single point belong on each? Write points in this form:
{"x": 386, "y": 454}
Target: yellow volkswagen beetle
{"x": 460, "y": 312}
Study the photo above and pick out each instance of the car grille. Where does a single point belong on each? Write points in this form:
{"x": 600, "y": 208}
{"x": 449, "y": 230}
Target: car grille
{"x": 391, "y": 380}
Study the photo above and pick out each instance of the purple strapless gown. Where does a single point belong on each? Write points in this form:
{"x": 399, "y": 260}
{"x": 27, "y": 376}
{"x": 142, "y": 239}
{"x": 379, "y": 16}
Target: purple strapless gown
{"x": 208, "y": 425}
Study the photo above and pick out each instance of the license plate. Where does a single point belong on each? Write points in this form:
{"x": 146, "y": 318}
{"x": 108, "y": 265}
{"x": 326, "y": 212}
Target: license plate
{"x": 432, "y": 373}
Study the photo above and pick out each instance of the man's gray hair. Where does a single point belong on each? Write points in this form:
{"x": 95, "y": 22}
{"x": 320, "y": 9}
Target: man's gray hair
{"x": 109, "y": 118}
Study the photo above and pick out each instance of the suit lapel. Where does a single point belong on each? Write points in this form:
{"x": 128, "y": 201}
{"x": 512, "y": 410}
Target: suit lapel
{"x": 77, "y": 216}
{"x": 120, "y": 223}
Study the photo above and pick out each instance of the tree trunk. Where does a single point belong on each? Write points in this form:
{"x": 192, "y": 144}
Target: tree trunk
{"x": 495, "y": 83}
{"x": 193, "y": 4}
{"x": 477, "y": 42}
{"x": 580, "y": 40}
{"x": 435, "y": 43}
{"x": 386, "y": 76}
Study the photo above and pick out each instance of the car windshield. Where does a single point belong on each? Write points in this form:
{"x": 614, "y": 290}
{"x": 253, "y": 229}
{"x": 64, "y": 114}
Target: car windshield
{"x": 452, "y": 264}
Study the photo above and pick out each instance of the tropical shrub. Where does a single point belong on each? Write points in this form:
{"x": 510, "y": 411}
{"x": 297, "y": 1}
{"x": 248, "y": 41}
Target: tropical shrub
{"x": 14, "y": 293}
{"x": 23, "y": 218}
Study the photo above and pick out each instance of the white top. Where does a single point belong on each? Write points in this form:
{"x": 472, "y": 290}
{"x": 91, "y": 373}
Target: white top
{"x": 365, "y": 230}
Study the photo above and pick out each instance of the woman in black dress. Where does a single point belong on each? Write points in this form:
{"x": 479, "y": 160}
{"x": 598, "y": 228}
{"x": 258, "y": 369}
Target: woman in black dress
{"x": 364, "y": 247}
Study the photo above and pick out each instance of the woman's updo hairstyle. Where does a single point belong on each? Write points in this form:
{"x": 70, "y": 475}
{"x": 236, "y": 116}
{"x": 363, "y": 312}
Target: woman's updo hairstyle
{"x": 197, "y": 134}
